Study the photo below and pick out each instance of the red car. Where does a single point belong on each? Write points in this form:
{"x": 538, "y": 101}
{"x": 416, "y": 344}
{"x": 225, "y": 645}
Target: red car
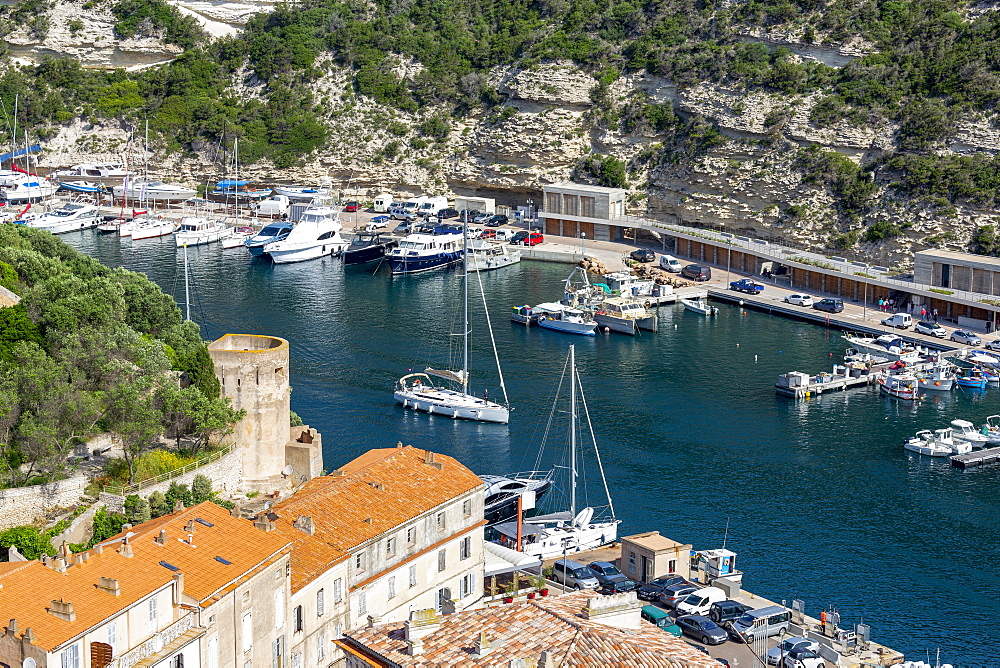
{"x": 351, "y": 207}
{"x": 528, "y": 238}
{"x": 488, "y": 234}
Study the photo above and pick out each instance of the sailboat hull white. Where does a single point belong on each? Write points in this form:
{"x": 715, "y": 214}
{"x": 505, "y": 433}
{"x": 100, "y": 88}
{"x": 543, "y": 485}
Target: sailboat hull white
{"x": 303, "y": 254}
{"x": 150, "y": 230}
{"x": 201, "y": 237}
{"x": 448, "y": 403}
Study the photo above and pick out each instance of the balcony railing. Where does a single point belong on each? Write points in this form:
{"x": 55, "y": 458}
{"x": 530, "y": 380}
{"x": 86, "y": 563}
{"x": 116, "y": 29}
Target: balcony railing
{"x": 154, "y": 643}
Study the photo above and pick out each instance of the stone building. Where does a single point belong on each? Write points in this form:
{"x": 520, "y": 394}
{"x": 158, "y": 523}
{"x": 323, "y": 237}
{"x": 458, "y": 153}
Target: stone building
{"x": 649, "y": 555}
{"x": 8, "y": 298}
{"x": 573, "y": 209}
{"x": 253, "y": 373}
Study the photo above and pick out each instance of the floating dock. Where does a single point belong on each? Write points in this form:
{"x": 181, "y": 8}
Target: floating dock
{"x": 843, "y": 377}
{"x": 976, "y": 458}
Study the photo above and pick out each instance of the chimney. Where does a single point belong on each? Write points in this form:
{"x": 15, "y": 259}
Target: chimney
{"x": 415, "y": 647}
{"x": 483, "y": 646}
{"x": 126, "y": 549}
{"x": 161, "y": 539}
{"x": 189, "y": 527}
{"x": 421, "y": 623}
{"x": 109, "y": 585}
{"x": 11, "y": 629}
{"x": 98, "y": 549}
{"x": 80, "y": 558}
{"x": 27, "y": 640}
{"x": 338, "y": 474}
{"x": 178, "y": 506}
{"x": 178, "y": 588}
{"x": 64, "y": 551}
{"x": 126, "y": 527}
{"x": 264, "y": 525}
{"x": 304, "y": 523}
{"x": 59, "y": 565}
{"x": 430, "y": 460}
{"x": 621, "y": 611}
{"x": 46, "y": 560}
{"x": 399, "y": 444}
{"x": 368, "y": 520}
{"x": 545, "y": 660}
{"x": 62, "y": 610}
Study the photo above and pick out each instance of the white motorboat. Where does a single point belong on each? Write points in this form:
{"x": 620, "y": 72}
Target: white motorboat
{"x": 195, "y": 231}
{"x": 29, "y": 188}
{"x": 625, "y": 315}
{"x": 149, "y": 226}
{"x": 275, "y": 205}
{"x": 484, "y": 255}
{"x": 67, "y": 218}
{"x": 503, "y": 492}
{"x": 992, "y": 429}
{"x": 901, "y": 386}
{"x": 629, "y": 285}
{"x": 418, "y": 392}
{"x": 562, "y": 318}
{"x": 966, "y": 431}
{"x": 700, "y": 306}
{"x": 104, "y": 173}
{"x": 111, "y": 226}
{"x": 940, "y": 378}
{"x": 236, "y": 237}
{"x": 890, "y": 346}
{"x": 316, "y": 234}
{"x": 574, "y": 530}
{"x": 302, "y": 192}
{"x": 925, "y": 443}
{"x": 144, "y": 190}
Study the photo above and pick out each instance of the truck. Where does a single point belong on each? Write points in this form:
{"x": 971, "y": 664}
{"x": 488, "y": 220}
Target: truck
{"x": 747, "y": 285}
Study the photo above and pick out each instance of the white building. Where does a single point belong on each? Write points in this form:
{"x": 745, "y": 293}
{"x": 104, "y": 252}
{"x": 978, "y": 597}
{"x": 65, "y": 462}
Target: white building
{"x": 572, "y": 209}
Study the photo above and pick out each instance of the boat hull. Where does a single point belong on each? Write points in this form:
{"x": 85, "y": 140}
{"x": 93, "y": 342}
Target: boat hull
{"x": 241, "y": 198}
{"x": 419, "y": 264}
{"x": 368, "y": 253}
{"x": 301, "y": 193}
{"x": 486, "y": 263}
{"x": 198, "y": 238}
{"x": 504, "y": 510}
{"x": 581, "y": 328}
{"x": 928, "y": 450}
{"x": 68, "y": 226}
{"x": 558, "y": 543}
{"x": 302, "y": 254}
{"x": 152, "y": 231}
{"x": 620, "y": 325}
{"x": 480, "y": 411}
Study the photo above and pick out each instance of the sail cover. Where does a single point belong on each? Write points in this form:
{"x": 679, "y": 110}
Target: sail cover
{"x": 447, "y": 374}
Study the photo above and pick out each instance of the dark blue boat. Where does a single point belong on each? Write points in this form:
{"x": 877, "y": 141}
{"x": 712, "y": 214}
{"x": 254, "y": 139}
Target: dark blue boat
{"x": 271, "y": 232}
{"x": 368, "y": 247}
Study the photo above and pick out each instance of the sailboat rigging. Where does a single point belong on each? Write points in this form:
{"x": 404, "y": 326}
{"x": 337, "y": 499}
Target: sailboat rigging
{"x": 418, "y": 391}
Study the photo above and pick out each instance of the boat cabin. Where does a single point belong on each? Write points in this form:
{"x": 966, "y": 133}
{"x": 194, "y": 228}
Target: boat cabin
{"x": 623, "y": 308}
{"x": 193, "y": 225}
{"x": 711, "y": 565}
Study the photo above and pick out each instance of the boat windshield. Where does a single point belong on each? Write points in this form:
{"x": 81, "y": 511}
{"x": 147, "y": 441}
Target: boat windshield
{"x": 415, "y": 245}
{"x": 271, "y": 231}
{"x": 311, "y": 218}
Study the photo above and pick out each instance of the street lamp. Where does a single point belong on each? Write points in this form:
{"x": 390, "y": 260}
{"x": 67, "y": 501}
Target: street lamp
{"x": 530, "y": 202}
{"x": 583, "y": 238}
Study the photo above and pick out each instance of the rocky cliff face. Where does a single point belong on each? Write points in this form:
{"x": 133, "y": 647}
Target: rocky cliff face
{"x": 546, "y": 125}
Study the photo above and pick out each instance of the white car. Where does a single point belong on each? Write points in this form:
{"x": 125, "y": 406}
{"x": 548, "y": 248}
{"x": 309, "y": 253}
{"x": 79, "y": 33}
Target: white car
{"x": 799, "y": 300}
{"x": 930, "y": 329}
{"x": 775, "y": 654}
{"x": 993, "y": 345}
{"x": 966, "y": 337}
{"x": 802, "y": 657}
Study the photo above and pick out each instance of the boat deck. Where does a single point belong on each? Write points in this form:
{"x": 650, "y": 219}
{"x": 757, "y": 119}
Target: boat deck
{"x": 976, "y": 458}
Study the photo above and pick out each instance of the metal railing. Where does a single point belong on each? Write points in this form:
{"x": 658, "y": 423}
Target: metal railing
{"x": 125, "y": 490}
{"x": 155, "y": 643}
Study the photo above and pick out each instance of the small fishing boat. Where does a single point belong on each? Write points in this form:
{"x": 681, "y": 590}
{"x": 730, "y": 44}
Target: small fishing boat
{"x": 973, "y": 378}
{"x": 992, "y": 429}
{"x": 317, "y": 233}
{"x": 502, "y": 492}
{"x": 565, "y": 319}
{"x": 67, "y": 218}
{"x": 939, "y": 378}
{"x": 966, "y": 431}
{"x": 270, "y": 233}
{"x": 700, "y": 306}
{"x": 82, "y": 187}
{"x": 236, "y": 236}
{"x": 368, "y": 247}
{"x": 926, "y": 443}
{"x": 194, "y": 231}
{"x": 111, "y": 226}
{"x": 624, "y": 315}
{"x": 902, "y": 386}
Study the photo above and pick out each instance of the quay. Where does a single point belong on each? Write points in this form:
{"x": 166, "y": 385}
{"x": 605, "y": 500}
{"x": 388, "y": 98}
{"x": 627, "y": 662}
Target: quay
{"x": 976, "y": 458}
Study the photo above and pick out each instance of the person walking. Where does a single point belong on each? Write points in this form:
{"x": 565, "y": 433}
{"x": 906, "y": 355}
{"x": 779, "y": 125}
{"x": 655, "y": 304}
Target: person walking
{"x": 880, "y": 308}
{"x": 935, "y": 315}
{"x": 923, "y": 313}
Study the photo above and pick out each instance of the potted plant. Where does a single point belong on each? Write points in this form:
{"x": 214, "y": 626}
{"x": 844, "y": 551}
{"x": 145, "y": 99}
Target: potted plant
{"x": 509, "y": 590}
{"x": 548, "y": 573}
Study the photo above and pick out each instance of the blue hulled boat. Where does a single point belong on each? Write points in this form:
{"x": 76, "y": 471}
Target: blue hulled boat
{"x": 423, "y": 252}
{"x": 272, "y": 232}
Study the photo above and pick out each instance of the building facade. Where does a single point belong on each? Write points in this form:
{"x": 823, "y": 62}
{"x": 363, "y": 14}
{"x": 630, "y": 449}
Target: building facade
{"x": 573, "y": 209}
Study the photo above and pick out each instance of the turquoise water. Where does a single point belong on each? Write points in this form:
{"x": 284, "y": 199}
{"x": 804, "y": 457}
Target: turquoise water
{"x": 821, "y": 500}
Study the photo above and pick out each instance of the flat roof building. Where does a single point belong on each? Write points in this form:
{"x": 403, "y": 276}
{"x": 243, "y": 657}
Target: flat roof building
{"x": 957, "y": 271}
{"x": 575, "y": 209}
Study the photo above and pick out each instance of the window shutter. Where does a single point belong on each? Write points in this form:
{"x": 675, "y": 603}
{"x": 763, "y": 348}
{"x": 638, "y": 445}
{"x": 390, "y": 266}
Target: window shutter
{"x": 320, "y": 604}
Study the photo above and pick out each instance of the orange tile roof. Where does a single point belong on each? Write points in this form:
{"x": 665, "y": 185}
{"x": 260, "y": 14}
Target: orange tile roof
{"x": 27, "y": 589}
{"x": 526, "y": 629}
{"x": 375, "y": 493}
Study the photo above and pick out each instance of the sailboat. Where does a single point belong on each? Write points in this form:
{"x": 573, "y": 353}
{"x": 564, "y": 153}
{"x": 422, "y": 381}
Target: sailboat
{"x": 562, "y": 533}
{"x": 419, "y": 392}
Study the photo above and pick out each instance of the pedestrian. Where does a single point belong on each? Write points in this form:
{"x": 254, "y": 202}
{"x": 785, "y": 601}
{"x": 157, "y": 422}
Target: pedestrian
{"x": 880, "y": 307}
{"x": 935, "y": 315}
{"x": 892, "y": 305}
{"x": 923, "y": 313}
{"x": 989, "y": 326}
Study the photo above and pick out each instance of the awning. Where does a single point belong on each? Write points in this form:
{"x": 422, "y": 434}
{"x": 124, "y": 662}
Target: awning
{"x": 232, "y": 184}
{"x": 19, "y": 152}
{"x": 500, "y": 559}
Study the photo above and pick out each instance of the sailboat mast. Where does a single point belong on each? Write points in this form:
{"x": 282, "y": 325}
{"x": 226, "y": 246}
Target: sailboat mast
{"x": 572, "y": 430}
{"x": 187, "y": 289}
{"x": 465, "y": 304}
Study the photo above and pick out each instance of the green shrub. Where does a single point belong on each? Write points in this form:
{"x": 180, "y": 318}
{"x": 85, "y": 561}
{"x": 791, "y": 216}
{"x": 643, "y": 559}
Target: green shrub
{"x": 29, "y": 541}
{"x": 201, "y": 488}
{"x": 137, "y": 509}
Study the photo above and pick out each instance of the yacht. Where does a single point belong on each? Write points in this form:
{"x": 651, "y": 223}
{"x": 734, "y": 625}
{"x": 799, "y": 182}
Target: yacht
{"x": 154, "y": 191}
{"x": 421, "y": 252}
{"x": 29, "y": 188}
{"x": 484, "y": 255}
{"x": 317, "y": 233}
{"x": 966, "y": 431}
{"x": 149, "y": 226}
{"x": 194, "y": 231}
{"x": 104, "y": 173}
{"x": 269, "y": 234}
{"x": 368, "y": 247}
{"x": 503, "y": 492}
{"x": 302, "y": 192}
{"x": 992, "y": 429}
{"x": 565, "y": 319}
{"x": 87, "y": 187}
{"x": 925, "y": 443}
{"x": 888, "y": 346}
{"x": 67, "y": 218}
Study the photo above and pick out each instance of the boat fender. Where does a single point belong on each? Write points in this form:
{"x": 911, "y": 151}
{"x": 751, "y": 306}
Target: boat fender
{"x": 647, "y": 304}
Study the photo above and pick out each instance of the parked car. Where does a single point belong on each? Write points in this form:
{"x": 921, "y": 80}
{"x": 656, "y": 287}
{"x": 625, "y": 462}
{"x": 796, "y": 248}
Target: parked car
{"x": 618, "y": 585}
{"x": 471, "y": 213}
{"x": 659, "y": 617}
{"x": 488, "y": 234}
{"x": 966, "y": 337}
{"x": 787, "y": 645}
{"x": 829, "y": 305}
{"x": 993, "y": 345}
{"x": 604, "y": 570}
{"x": 527, "y": 238}
{"x": 497, "y": 221}
{"x": 930, "y": 329}
{"x": 697, "y": 272}
{"x": 702, "y": 629}
{"x": 650, "y": 591}
{"x": 403, "y": 227}
{"x": 802, "y": 658}
{"x": 768, "y": 621}
{"x": 747, "y": 285}
{"x": 480, "y": 219}
{"x": 799, "y": 300}
{"x": 899, "y": 321}
{"x": 445, "y": 214}
{"x": 674, "y": 594}
{"x": 642, "y": 255}
{"x": 397, "y": 213}
{"x": 700, "y": 602}
{"x": 574, "y": 574}
{"x": 727, "y": 611}
{"x": 670, "y": 263}
{"x": 352, "y": 206}
{"x": 378, "y": 222}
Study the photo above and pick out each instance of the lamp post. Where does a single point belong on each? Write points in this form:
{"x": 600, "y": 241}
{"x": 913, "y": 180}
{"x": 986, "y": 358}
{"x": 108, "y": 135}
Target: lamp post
{"x": 583, "y": 238}
{"x": 530, "y": 202}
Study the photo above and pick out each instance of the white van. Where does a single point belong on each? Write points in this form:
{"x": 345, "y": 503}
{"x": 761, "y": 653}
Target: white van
{"x": 670, "y": 263}
{"x": 699, "y": 602}
{"x": 432, "y": 205}
{"x": 899, "y": 320}
{"x": 414, "y": 203}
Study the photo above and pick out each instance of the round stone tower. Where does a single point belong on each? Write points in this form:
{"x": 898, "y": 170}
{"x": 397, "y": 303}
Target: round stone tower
{"x": 253, "y": 372}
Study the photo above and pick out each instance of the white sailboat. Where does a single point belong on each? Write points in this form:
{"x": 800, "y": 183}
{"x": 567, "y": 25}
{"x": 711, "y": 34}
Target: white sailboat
{"x": 562, "y": 533}
{"x": 418, "y": 391}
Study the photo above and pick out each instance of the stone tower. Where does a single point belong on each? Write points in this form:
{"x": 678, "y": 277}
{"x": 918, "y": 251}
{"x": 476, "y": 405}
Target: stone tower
{"x": 253, "y": 372}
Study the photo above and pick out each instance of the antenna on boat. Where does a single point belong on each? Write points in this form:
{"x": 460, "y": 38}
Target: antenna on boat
{"x": 726, "y": 536}
{"x": 187, "y": 289}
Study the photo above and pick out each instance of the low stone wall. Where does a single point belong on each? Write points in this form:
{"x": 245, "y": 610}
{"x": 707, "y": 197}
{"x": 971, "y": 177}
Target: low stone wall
{"x": 81, "y": 529}
{"x": 25, "y": 505}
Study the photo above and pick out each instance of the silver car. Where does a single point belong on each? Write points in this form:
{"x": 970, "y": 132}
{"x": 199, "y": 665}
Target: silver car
{"x": 787, "y": 645}
{"x": 966, "y": 337}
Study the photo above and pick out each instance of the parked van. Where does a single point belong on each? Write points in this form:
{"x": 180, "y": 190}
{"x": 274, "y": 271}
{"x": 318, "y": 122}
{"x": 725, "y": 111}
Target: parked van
{"x": 700, "y": 602}
{"x": 431, "y": 205}
{"x": 383, "y": 202}
{"x": 670, "y": 263}
{"x": 413, "y": 204}
{"x": 659, "y": 617}
{"x": 899, "y": 320}
{"x": 574, "y": 574}
{"x": 770, "y": 621}
{"x": 697, "y": 272}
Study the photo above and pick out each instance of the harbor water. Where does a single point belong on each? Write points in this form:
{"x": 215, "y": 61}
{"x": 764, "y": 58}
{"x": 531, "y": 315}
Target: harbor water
{"x": 822, "y": 502}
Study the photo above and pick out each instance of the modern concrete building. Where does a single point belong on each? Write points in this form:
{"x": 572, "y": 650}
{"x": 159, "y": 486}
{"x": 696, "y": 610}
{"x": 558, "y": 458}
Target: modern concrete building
{"x": 957, "y": 271}
{"x": 253, "y": 372}
{"x": 649, "y": 555}
{"x": 573, "y": 209}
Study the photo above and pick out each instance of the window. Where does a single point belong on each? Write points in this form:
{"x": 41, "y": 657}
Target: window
{"x": 279, "y": 608}
{"x": 413, "y": 576}
{"x": 71, "y": 657}
{"x": 320, "y": 646}
{"x": 152, "y": 624}
{"x": 338, "y": 591}
{"x": 441, "y": 560}
{"x": 337, "y": 631}
{"x": 587, "y": 206}
{"x": 467, "y": 508}
{"x": 213, "y": 653}
{"x": 247, "y": 632}
{"x": 362, "y": 604}
{"x": 297, "y": 660}
{"x": 467, "y": 586}
{"x": 113, "y": 634}
{"x": 298, "y": 619}
{"x": 672, "y": 566}
{"x": 392, "y": 587}
{"x": 552, "y": 202}
{"x": 277, "y": 574}
{"x": 411, "y": 535}
{"x": 440, "y": 521}
{"x": 177, "y": 661}
{"x": 359, "y": 561}
{"x": 320, "y": 604}
{"x": 570, "y": 205}
{"x": 277, "y": 652}
{"x": 465, "y": 548}
{"x": 390, "y": 547}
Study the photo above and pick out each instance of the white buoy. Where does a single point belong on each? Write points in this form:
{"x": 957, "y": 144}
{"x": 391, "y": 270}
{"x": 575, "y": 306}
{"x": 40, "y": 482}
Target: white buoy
{"x": 607, "y": 329}
{"x": 755, "y": 358}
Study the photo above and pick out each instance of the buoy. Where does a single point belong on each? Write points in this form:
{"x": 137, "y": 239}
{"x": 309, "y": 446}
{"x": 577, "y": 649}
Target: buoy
{"x": 737, "y": 345}
{"x": 607, "y": 329}
{"x": 741, "y": 302}
{"x": 754, "y": 358}
{"x": 675, "y": 326}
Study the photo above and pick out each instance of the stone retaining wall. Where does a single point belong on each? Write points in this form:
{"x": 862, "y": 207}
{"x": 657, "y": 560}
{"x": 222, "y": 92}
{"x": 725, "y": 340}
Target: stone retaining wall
{"x": 25, "y": 505}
